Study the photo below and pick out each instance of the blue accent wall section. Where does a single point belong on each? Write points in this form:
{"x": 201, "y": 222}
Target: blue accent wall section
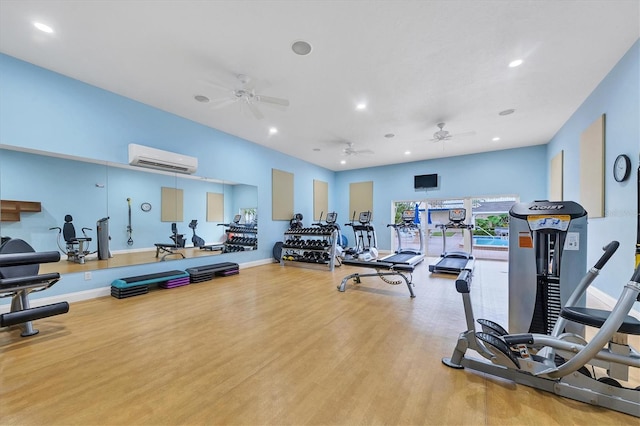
{"x": 519, "y": 172}
{"x": 45, "y": 111}
{"x": 618, "y": 97}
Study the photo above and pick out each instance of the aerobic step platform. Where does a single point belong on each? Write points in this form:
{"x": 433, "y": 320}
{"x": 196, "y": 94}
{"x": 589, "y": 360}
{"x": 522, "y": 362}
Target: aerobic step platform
{"x": 208, "y": 272}
{"x": 134, "y": 286}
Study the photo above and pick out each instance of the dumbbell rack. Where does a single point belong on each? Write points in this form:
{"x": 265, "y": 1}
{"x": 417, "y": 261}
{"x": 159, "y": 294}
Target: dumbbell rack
{"x": 243, "y": 238}
{"x": 313, "y": 247}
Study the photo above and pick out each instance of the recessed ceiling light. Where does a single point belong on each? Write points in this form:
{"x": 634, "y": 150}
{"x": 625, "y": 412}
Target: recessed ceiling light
{"x": 407, "y": 152}
{"x": 361, "y": 106}
{"x": 515, "y": 63}
{"x": 301, "y": 47}
{"x": 343, "y": 161}
{"x": 273, "y": 130}
{"x": 316, "y": 149}
{"x": 507, "y": 112}
{"x": 389, "y": 135}
{"x": 201, "y": 98}
{"x": 496, "y": 139}
{"x": 42, "y": 27}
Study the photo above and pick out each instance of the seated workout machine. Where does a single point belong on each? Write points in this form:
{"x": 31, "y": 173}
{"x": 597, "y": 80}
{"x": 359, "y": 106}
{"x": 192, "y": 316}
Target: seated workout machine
{"x": 383, "y": 269}
{"x": 197, "y": 241}
{"x": 561, "y": 362}
{"x": 406, "y": 256}
{"x": 454, "y": 262}
{"x": 75, "y": 248}
{"x": 363, "y": 251}
{"x": 19, "y": 265}
{"x": 171, "y": 249}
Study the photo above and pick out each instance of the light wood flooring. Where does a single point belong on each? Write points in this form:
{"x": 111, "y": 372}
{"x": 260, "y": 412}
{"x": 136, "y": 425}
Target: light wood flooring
{"x": 272, "y": 346}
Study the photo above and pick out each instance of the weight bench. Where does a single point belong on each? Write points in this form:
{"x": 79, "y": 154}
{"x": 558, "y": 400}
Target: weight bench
{"x": 135, "y": 286}
{"x": 19, "y": 265}
{"x": 383, "y": 269}
{"x": 169, "y": 249}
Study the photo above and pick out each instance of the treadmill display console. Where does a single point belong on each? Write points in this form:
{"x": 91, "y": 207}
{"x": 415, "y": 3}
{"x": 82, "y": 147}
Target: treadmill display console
{"x": 457, "y": 215}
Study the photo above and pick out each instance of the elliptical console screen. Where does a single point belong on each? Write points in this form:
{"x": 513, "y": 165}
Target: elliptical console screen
{"x": 365, "y": 217}
{"x": 332, "y": 217}
{"x": 408, "y": 215}
{"x": 457, "y": 215}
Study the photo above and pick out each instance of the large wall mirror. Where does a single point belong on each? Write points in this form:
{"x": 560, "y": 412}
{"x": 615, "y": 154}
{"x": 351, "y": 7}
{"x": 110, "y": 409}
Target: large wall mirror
{"x": 137, "y": 206}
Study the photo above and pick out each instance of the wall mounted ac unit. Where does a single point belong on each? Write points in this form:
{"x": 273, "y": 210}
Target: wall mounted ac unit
{"x": 152, "y": 158}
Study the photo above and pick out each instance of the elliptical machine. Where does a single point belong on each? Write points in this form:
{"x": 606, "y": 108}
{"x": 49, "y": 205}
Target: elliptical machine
{"x": 559, "y": 362}
{"x": 363, "y": 230}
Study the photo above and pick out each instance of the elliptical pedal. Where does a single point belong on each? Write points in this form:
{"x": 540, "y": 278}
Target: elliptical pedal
{"x": 499, "y": 349}
{"x": 491, "y": 327}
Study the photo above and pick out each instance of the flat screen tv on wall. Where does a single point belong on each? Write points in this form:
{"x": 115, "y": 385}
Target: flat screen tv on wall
{"x": 425, "y": 181}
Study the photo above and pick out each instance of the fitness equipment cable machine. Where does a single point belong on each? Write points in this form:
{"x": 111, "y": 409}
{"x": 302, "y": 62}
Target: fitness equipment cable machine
{"x": 547, "y": 251}
{"x": 406, "y": 256}
{"x": 454, "y": 262}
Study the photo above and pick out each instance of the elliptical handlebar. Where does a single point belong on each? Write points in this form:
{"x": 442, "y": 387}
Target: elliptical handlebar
{"x": 636, "y": 275}
{"x": 609, "y": 250}
{"x": 586, "y": 281}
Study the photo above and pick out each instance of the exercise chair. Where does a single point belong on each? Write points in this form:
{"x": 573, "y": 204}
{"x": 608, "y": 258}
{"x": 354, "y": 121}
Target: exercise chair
{"x": 75, "y": 248}
{"x": 171, "y": 249}
{"x": 19, "y": 265}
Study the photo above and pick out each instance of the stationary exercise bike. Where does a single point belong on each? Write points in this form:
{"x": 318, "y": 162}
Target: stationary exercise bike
{"x": 561, "y": 362}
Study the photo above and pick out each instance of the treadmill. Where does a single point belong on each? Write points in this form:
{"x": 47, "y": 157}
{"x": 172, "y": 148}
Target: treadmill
{"x": 454, "y": 262}
{"x": 406, "y": 256}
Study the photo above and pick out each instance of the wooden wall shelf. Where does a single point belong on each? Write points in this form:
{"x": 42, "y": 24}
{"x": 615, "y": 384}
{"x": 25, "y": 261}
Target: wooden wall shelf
{"x": 10, "y": 209}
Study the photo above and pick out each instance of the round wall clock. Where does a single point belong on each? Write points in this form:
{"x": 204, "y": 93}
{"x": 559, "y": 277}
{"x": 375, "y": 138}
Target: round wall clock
{"x": 621, "y": 168}
{"x": 145, "y": 207}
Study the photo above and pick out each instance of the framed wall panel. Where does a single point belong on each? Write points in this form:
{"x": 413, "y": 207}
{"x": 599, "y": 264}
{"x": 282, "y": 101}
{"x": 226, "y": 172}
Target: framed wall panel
{"x": 282, "y": 195}
{"x": 360, "y": 198}
{"x": 215, "y": 207}
{"x": 592, "y": 168}
{"x": 556, "y": 177}
{"x": 172, "y": 200}
{"x": 320, "y": 199}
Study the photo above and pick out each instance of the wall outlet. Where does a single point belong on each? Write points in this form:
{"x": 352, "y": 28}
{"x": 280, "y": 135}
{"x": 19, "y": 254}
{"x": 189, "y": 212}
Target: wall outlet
{"x": 87, "y": 276}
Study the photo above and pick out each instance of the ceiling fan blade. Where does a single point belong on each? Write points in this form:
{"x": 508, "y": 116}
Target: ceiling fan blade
{"x": 221, "y": 102}
{"x": 218, "y": 86}
{"x": 272, "y": 100}
{"x": 458, "y": 135}
{"x": 364, "y": 151}
{"x": 255, "y": 111}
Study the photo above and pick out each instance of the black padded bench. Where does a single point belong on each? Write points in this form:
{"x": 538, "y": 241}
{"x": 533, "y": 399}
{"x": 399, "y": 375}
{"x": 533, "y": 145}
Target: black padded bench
{"x": 137, "y": 285}
{"x": 382, "y": 268}
{"x": 19, "y": 266}
{"x": 208, "y": 272}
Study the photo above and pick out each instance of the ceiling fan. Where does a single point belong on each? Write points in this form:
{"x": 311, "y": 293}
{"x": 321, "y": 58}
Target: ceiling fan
{"x": 245, "y": 94}
{"x": 349, "y": 150}
{"x": 444, "y": 135}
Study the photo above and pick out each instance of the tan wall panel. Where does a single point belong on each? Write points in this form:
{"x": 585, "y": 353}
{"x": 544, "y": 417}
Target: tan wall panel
{"x": 592, "y": 168}
{"x": 360, "y": 198}
{"x": 282, "y": 195}
{"x": 215, "y": 207}
{"x": 320, "y": 199}
{"x": 172, "y": 200}
{"x": 556, "y": 177}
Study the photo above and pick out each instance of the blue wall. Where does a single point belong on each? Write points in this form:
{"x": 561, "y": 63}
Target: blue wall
{"x": 519, "y": 172}
{"x": 617, "y": 96}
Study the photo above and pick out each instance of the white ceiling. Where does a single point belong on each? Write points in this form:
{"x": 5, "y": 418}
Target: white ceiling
{"x": 415, "y": 64}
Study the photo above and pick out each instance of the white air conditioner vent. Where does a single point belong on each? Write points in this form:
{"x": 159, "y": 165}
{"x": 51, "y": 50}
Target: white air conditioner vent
{"x": 144, "y": 156}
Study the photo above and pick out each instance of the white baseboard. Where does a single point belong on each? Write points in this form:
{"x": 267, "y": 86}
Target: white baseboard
{"x": 79, "y": 296}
